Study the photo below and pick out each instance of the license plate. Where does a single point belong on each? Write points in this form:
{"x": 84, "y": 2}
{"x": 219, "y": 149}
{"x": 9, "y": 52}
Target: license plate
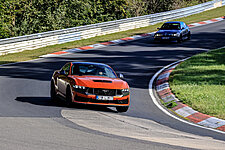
{"x": 165, "y": 38}
{"x": 109, "y": 98}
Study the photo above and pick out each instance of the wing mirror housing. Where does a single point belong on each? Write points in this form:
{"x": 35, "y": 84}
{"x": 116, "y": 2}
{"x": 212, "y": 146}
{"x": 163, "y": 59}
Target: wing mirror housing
{"x": 121, "y": 76}
{"x": 158, "y": 28}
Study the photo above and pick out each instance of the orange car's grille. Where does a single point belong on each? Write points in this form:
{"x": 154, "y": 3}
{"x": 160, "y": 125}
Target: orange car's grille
{"x": 104, "y": 92}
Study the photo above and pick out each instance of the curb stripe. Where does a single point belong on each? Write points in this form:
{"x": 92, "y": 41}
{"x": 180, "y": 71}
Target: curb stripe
{"x": 179, "y": 106}
{"x": 59, "y": 53}
{"x": 222, "y": 128}
{"x": 163, "y": 92}
{"x": 127, "y": 39}
{"x": 118, "y": 41}
{"x": 158, "y": 82}
{"x": 166, "y": 95}
{"x": 201, "y": 23}
{"x": 73, "y": 50}
{"x": 198, "y": 117}
{"x": 86, "y": 47}
{"x": 185, "y": 111}
{"x": 136, "y": 36}
{"x": 97, "y": 45}
{"x": 164, "y": 75}
{"x": 107, "y": 43}
{"x": 162, "y": 86}
{"x": 214, "y": 20}
{"x": 197, "y": 24}
{"x": 191, "y": 25}
{"x": 212, "y": 122}
{"x": 169, "y": 98}
{"x": 208, "y": 22}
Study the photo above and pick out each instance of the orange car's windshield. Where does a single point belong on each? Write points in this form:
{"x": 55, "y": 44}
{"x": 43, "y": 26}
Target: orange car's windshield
{"x": 92, "y": 70}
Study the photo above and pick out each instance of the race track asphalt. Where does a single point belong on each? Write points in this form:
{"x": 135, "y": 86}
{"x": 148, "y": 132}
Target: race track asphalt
{"x": 30, "y": 121}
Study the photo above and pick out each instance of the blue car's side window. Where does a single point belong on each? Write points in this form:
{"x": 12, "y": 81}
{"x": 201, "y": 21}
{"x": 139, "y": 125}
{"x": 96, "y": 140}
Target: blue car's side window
{"x": 182, "y": 25}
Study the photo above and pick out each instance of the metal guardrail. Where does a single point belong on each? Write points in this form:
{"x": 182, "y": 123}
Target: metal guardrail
{"x": 33, "y": 41}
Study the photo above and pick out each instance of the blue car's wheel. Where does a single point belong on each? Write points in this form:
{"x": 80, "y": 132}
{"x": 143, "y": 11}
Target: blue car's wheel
{"x": 189, "y": 36}
{"x": 180, "y": 39}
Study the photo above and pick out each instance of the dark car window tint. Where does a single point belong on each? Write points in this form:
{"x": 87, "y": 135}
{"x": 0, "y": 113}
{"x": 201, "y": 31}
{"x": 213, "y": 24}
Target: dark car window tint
{"x": 170, "y": 26}
{"x": 66, "y": 68}
{"x": 92, "y": 70}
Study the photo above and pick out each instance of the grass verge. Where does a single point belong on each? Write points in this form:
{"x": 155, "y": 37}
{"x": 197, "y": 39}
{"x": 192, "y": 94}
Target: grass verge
{"x": 33, "y": 54}
{"x": 200, "y": 82}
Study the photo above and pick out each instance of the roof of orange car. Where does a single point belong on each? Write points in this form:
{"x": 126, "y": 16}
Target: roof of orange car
{"x": 90, "y": 63}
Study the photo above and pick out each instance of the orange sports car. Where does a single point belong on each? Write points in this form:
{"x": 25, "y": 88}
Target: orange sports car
{"x": 90, "y": 83}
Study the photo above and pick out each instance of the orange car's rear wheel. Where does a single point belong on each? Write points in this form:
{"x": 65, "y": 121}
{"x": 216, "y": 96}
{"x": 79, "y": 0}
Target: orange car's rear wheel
{"x": 122, "y": 108}
{"x": 53, "y": 92}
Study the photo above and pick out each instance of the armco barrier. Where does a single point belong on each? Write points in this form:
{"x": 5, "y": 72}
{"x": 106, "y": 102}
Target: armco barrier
{"x": 33, "y": 41}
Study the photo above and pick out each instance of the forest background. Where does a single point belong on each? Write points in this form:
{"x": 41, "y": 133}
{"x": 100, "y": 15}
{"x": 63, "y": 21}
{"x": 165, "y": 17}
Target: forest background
{"x": 22, "y": 17}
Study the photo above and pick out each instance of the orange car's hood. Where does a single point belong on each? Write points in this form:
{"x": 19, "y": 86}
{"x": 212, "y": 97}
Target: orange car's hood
{"x": 100, "y": 82}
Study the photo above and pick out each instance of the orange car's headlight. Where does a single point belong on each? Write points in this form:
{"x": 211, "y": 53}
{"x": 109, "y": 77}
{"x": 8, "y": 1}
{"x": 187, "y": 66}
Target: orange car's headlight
{"x": 80, "y": 89}
{"x": 125, "y": 92}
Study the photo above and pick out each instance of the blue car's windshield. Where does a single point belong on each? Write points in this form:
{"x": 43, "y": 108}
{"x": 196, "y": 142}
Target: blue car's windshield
{"x": 92, "y": 70}
{"x": 170, "y": 26}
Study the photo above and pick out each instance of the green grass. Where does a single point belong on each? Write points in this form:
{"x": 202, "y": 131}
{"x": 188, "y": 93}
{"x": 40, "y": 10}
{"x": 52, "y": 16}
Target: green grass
{"x": 28, "y": 55}
{"x": 200, "y": 82}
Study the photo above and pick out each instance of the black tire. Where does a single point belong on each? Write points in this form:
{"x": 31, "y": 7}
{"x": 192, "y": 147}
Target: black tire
{"x": 53, "y": 92}
{"x": 122, "y": 108}
{"x": 69, "y": 102}
{"x": 189, "y": 36}
{"x": 180, "y": 39}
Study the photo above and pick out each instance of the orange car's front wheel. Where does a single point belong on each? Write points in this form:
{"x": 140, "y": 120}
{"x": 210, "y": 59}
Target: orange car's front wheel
{"x": 68, "y": 97}
{"x": 122, "y": 108}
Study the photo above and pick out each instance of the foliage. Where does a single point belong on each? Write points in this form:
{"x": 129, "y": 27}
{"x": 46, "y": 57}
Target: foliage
{"x": 20, "y": 17}
{"x": 28, "y": 55}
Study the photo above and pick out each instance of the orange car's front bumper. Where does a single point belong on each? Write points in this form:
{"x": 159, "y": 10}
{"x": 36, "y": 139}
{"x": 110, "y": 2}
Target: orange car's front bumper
{"x": 91, "y": 99}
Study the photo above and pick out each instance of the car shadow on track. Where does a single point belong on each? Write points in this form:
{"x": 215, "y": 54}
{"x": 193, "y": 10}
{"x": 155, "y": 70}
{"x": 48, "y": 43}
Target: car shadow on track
{"x": 46, "y": 101}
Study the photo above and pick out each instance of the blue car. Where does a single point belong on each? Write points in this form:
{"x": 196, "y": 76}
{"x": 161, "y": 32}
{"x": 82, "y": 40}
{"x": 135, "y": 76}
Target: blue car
{"x": 173, "y": 31}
